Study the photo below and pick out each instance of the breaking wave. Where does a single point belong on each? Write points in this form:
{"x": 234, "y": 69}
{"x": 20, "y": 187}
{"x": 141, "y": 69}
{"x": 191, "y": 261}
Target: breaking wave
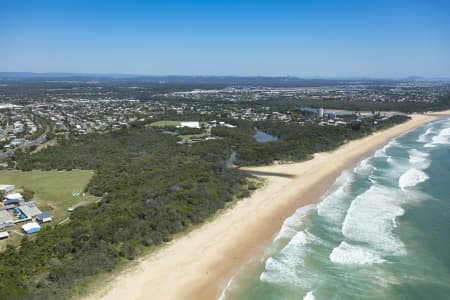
{"x": 291, "y": 225}
{"x": 280, "y": 269}
{"x": 350, "y": 254}
{"x": 423, "y": 138}
{"x": 411, "y": 178}
{"x": 332, "y": 207}
{"x": 442, "y": 138}
{"x": 418, "y": 159}
{"x": 356, "y": 226}
{"x": 369, "y": 220}
{"x": 383, "y": 151}
{"x": 309, "y": 296}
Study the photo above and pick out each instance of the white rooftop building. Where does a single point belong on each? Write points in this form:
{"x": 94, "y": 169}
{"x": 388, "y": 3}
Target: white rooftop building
{"x": 14, "y": 196}
{"x": 7, "y": 188}
{"x": 4, "y": 235}
{"x": 190, "y": 124}
{"x": 31, "y": 227}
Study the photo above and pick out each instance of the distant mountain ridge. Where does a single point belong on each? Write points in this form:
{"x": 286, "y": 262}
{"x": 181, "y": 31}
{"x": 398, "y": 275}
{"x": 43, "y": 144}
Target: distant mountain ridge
{"x": 275, "y": 81}
{"x": 254, "y": 80}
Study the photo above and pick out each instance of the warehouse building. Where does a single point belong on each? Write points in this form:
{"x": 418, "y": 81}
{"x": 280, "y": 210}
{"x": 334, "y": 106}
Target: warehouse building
{"x": 14, "y": 196}
{"x": 7, "y": 202}
{"x": 43, "y": 218}
{"x": 6, "y": 219}
{"x": 29, "y": 209}
{"x": 31, "y": 227}
{"x": 4, "y": 235}
{"x": 6, "y": 188}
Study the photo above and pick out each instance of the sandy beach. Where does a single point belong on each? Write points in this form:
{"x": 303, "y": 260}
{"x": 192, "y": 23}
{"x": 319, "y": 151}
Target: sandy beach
{"x": 199, "y": 264}
{"x": 440, "y": 113}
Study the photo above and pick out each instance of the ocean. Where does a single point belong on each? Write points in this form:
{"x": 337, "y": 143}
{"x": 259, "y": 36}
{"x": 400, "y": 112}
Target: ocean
{"x": 382, "y": 231}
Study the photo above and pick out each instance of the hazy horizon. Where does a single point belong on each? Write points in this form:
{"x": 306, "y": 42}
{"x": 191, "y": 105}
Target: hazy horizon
{"x": 132, "y": 75}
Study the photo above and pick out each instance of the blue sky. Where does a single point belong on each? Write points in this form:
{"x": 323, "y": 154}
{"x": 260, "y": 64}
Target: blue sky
{"x": 298, "y": 38}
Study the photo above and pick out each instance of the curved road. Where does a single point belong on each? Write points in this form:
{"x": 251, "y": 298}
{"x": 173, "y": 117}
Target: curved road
{"x": 37, "y": 141}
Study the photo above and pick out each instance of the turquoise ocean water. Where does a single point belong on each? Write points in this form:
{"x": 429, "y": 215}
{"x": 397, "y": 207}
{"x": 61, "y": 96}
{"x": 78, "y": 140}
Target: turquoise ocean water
{"x": 381, "y": 232}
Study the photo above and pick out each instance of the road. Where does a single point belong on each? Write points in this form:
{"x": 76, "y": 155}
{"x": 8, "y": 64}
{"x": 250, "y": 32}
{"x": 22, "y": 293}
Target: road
{"x": 37, "y": 141}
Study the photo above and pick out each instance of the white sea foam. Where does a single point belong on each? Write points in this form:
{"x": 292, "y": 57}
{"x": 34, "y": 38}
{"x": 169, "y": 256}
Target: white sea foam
{"x": 332, "y": 207}
{"x": 388, "y": 145}
{"x": 383, "y": 151}
{"x": 364, "y": 167}
{"x": 443, "y": 138}
{"x": 393, "y": 143}
{"x": 369, "y": 220}
{"x": 418, "y": 159}
{"x": 411, "y": 178}
{"x": 224, "y": 291}
{"x": 379, "y": 153}
{"x": 309, "y": 296}
{"x": 394, "y": 222}
{"x": 397, "y": 165}
{"x": 281, "y": 269}
{"x": 292, "y": 224}
{"x": 277, "y": 272}
{"x": 350, "y": 254}
{"x": 423, "y": 138}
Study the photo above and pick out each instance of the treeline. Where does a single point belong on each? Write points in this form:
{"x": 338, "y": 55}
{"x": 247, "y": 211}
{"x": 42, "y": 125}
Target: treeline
{"x": 295, "y": 142}
{"x": 150, "y": 187}
{"x": 405, "y": 106}
{"x": 285, "y": 104}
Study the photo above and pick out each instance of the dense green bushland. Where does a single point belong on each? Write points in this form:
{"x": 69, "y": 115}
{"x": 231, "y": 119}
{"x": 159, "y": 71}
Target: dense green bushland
{"x": 151, "y": 187}
{"x": 295, "y": 142}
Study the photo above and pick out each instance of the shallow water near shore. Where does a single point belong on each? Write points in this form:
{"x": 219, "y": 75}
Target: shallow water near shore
{"x": 381, "y": 231}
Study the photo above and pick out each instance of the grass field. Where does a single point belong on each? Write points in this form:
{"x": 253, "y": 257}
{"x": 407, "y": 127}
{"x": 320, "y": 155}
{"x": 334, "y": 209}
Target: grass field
{"x": 165, "y": 123}
{"x": 53, "y": 189}
{"x": 194, "y": 136}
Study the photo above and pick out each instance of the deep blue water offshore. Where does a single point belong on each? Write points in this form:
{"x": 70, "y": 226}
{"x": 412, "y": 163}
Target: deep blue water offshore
{"x": 381, "y": 232}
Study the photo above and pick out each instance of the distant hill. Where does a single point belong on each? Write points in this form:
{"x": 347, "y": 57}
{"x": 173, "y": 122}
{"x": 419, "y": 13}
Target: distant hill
{"x": 281, "y": 81}
{"x": 415, "y": 78}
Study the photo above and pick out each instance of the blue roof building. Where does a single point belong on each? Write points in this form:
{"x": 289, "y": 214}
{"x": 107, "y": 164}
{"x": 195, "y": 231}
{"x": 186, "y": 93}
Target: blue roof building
{"x": 30, "y": 228}
{"x": 11, "y": 201}
{"x": 43, "y": 217}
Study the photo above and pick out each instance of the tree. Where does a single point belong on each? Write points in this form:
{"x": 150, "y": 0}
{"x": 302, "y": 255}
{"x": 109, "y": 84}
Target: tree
{"x": 28, "y": 194}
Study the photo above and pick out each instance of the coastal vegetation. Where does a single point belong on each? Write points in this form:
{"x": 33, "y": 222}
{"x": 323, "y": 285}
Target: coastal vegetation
{"x": 295, "y": 142}
{"x": 150, "y": 187}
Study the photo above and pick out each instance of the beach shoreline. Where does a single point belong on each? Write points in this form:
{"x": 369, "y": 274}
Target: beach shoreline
{"x": 199, "y": 265}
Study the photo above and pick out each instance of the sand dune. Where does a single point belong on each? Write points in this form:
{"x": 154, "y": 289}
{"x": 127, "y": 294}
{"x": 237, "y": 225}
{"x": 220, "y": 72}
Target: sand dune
{"x": 199, "y": 264}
